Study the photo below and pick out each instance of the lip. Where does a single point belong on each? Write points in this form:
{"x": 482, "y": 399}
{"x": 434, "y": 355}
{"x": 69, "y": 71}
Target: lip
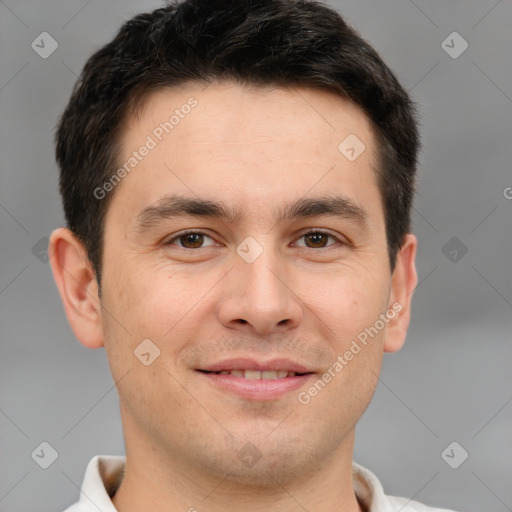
{"x": 252, "y": 364}
{"x": 271, "y": 389}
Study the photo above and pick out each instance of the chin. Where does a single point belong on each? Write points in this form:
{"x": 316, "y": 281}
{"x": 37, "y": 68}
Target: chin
{"x": 263, "y": 462}
{"x": 274, "y": 468}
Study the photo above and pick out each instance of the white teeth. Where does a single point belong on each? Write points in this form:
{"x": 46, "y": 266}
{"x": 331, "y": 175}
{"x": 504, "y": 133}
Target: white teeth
{"x": 259, "y": 375}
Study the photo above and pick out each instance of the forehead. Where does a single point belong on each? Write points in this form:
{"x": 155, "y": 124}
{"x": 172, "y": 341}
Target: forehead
{"x": 245, "y": 144}
{"x": 253, "y": 110}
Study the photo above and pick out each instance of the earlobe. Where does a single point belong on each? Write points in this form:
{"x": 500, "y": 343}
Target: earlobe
{"x": 403, "y": 283}
{"x": 77, "y": 285}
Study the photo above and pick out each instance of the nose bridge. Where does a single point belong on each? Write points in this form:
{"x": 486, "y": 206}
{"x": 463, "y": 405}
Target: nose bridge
{"x": 255, "y": 265}
{"x": 258, "y": 290}
{"x": 263, "y": 275}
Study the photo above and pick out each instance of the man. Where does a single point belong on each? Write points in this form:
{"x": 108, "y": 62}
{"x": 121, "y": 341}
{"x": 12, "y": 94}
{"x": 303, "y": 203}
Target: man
{"x": 237, "y": 179}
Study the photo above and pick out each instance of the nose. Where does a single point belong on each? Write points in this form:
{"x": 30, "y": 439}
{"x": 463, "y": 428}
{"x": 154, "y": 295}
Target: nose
{"x": 259, "y": 297}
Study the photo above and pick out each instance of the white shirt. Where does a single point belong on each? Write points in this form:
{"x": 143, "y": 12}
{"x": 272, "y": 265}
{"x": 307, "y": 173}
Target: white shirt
{"x": 105, "y": 473}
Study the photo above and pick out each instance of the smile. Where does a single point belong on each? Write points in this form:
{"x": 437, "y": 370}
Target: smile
{"x": 256, "y": 385}
{"x": 258, "y": 375}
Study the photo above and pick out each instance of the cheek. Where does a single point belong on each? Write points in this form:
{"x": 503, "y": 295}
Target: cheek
{"x": 126, "y": 317}
{"x": 151, "y": 303}
{"x": 141, "y": 298}
{"x": 349, "y": 301}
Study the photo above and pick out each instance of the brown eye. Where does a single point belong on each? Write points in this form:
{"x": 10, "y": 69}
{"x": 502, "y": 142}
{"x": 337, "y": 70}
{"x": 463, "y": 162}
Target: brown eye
{"x": 317, "y": 240}
{"x": 190, "y": 240}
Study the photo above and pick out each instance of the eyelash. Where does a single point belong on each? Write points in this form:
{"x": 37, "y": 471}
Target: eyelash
{"x": 196, "y": 232}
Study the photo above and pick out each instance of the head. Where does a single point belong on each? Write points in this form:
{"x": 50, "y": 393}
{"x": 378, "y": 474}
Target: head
{"x": 251, "y": 125}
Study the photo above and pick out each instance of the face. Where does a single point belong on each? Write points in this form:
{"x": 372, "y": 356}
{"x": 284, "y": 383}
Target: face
{"x": 280, "y": 271}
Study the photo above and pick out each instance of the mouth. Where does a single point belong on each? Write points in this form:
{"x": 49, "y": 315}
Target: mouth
{"x": 258, "y": 375}
{"x": 255, "y": 380}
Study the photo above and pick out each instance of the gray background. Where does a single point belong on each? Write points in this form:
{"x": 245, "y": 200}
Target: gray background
{"x": 451, "y": 382}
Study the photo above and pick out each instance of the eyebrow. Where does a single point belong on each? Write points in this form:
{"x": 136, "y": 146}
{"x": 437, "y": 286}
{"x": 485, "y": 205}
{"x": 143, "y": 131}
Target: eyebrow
{"x": 172, "y": 206}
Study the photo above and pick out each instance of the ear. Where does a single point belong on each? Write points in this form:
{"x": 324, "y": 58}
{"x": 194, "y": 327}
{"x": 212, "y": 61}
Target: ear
{"x": 77, "y": 285}
{"x": 403, "y": 282}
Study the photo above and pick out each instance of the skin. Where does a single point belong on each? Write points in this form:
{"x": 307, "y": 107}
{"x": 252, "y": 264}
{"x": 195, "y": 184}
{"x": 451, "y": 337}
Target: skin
{"x": 255, "y": 150}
